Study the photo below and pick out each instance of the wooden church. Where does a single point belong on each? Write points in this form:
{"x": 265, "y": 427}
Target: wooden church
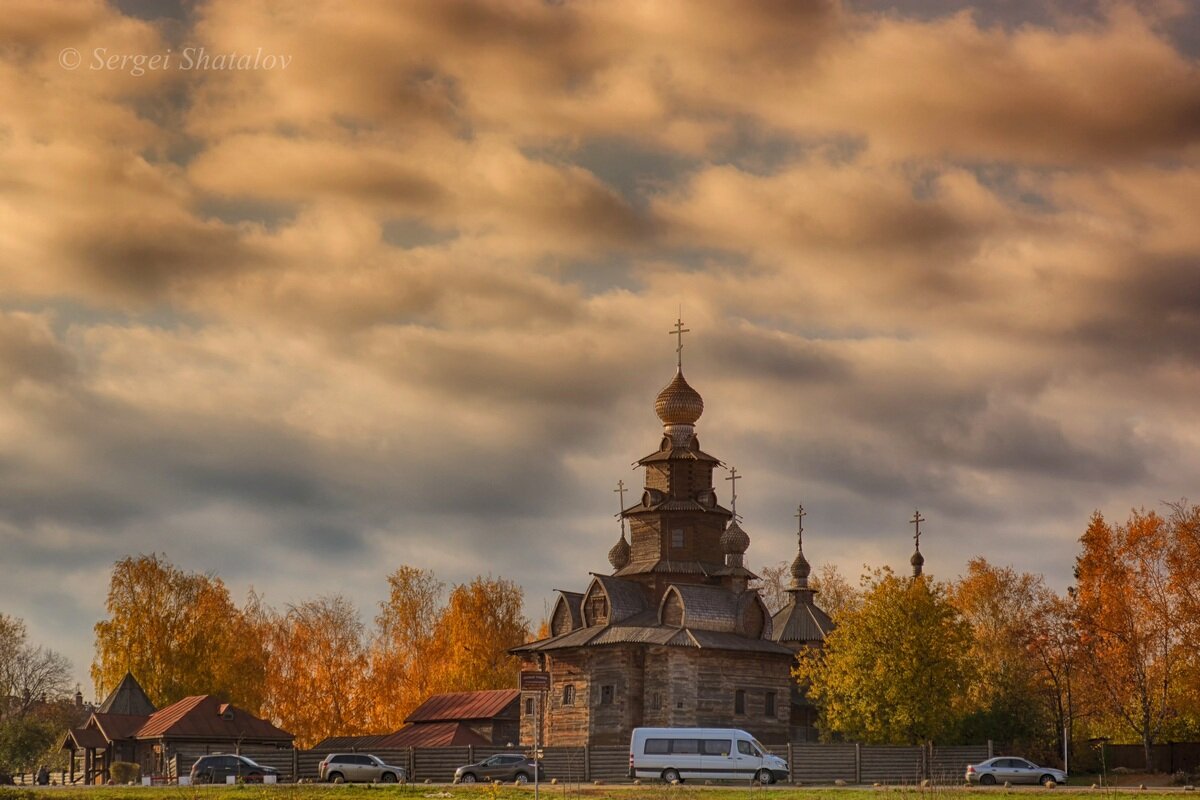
{"x": 675, "y": 634}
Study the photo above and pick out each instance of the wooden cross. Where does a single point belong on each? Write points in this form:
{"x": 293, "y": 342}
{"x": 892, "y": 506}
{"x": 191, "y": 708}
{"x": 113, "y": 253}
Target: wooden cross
{"x": 621, "y": 511}
{"x": 916, "y": 520}
{"x": 678, "y": 333}
{"x": 800, "y": 515}
{"x": 733, "y": 478}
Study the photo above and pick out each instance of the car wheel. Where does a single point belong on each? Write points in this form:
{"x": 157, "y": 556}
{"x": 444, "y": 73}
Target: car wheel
{"x": 467, "y": 778}
{"x": 1046, "y": 780}
{"x": 254, "y": 777}
{"x": 671, "y": 776}
{"x": 764, "y": 777}
{"x": 389, "y": 777}
{"x": 987, "y": 780}
{"x": 336, "y": 777}
{"x": 521, "y": 777}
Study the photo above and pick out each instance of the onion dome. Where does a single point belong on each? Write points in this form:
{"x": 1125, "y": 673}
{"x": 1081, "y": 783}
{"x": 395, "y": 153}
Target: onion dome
{"x": 734, "y": 539}
{"x": 800, "y": 571}
{"x": 734, "y": 542}
{"x": 917, "y": 561}
{"x": 619, "y": 555}
{"x": 679, "y": 403}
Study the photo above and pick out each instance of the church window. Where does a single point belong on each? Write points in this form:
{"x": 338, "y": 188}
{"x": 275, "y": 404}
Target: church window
{"x": 770, "y": 704}
{"x": 529, "y": 706}
{"x": 606, "y": 695}
{"x": 569, "y": 695}
{"x": 739, "y": 701}
{"x": 598, "y": 609}
{"x": 677, "y": 537}
{"x": 656, "y": 701}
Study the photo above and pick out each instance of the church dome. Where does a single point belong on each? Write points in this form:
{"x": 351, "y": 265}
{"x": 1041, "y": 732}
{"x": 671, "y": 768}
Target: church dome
{"x": 619, "y": 555}
{"x": 800, "y": 571}
{"x": 679, "y": 403}
{"x": 917, "y": 559}
{"x": 735, "y": 540}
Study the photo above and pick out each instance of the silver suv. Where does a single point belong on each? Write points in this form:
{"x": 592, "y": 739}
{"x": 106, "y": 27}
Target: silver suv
{"x": 359, "y": 768}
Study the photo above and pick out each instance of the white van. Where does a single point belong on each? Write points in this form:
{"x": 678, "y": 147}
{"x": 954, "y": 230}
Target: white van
{"x": 676, "y": 754}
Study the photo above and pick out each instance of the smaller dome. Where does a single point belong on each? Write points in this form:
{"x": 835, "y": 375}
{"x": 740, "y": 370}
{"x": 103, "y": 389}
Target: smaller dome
{"x": 679, "y": 403}
{"x": 734, "y": 539}
{"x": 800, "y": 571}
{"x": 917, "y": 559}
{"x": 619, "y": 555}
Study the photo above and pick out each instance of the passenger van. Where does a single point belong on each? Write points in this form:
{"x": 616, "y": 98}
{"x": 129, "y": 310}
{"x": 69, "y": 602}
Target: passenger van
{"x": 676, "y": 754}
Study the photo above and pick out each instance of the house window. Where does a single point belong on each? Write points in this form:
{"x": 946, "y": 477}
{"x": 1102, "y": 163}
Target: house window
{"x": 739, "y": 701}
{"x": 606, "y": 695}
{"x": 677, "y": 537}
{"x": 569, "y": 695}
{"x": 770, "y": 704}
{"x": 529, "y": 706}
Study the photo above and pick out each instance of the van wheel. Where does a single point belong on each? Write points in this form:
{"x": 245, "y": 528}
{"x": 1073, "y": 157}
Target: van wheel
{"x": 765, "y": 777}
{"x": 671, "y": 776}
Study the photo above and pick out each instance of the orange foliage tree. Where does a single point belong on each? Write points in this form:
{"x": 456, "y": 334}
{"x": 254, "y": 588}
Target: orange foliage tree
{"x": 315, "y": 683}
{"x": 404, "y": 650}
{"x": 481, "y": 621}
{"x": 1126, "y": 614}
{"x": 179, "y": 633}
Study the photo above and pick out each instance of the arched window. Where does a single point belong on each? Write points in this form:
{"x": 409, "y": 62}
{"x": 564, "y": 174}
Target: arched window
{"x": 569, "y": 695}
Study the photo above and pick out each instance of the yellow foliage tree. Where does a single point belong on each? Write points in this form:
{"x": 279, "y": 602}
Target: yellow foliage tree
{"x": 893, "y": 670}
{"x": 404, "y": 649}
{"x": 481, "y": 621}
{"x": 179, "y": 633}
{"x": 315, "y": 682}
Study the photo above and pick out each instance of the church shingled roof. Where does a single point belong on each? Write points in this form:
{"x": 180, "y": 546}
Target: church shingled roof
{"x": 625, "y": 598}
{"x": 801, "y": 621}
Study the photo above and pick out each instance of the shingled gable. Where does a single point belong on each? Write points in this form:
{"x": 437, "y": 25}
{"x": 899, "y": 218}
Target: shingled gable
{"x": 206, "y": 717}
{"x": 128, "y": 698}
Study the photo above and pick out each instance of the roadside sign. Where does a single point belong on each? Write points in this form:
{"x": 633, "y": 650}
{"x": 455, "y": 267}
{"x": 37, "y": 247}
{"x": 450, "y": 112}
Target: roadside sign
{"x": 535, "y": 681}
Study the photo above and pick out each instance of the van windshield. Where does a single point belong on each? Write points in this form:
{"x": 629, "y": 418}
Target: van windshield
{"x": 759, "y": 745}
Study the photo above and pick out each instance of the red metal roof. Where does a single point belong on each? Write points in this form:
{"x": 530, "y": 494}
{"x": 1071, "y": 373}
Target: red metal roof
{"x": 200, "y": 717}
{"x": 454, "y": 706}
{"x": 431, "y": 734}
{"x": 116, "y": 726}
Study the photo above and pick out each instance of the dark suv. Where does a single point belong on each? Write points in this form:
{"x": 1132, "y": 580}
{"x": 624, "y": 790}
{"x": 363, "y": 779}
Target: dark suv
{"x": 215, "y": 769}
{"x": 502, "y": 767}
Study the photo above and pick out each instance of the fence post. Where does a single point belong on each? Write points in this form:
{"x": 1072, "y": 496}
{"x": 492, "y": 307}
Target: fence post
{"x": 587, "y": 763}
{"x": 791, "y": 761}
{"x": 857, "y": 762}
{"x": 411, "y": 762}
{"x": 295, "y": 765}
{"x": 991, "y": 754}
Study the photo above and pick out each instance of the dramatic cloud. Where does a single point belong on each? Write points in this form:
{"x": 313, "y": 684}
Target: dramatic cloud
{"x": 402, "y": 294}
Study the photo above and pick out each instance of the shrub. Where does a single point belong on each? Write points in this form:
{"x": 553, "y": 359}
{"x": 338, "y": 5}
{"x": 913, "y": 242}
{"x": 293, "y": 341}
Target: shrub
{"x": 124, "y": 772}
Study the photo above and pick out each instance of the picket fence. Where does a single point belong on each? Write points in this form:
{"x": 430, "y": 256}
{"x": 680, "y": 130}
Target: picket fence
{"x": 807, "y": 763}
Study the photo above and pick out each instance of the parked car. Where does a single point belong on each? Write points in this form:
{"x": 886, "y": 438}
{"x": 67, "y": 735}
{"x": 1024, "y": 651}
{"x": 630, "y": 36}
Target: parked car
{"x": 676, "y": 754}
{"x": 359, "y": 768}
{"x": 1012, "y": 770}
{"x": 503, "y": 767}
{"x": 216, "y": 768}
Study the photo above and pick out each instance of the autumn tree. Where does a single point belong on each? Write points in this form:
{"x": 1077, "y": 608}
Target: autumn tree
{"x": 404, "y": 649}
{"x": 34, "y": 681}
{"x": 1183, "y": 564}
{"x": 1000, "y": 605}
{"x": 894, "y": 668}
{"x": 835, "y": 594}
{"x": 1060, "y": 679}
{"x": 1128, "y": 624}
{"x": 772, "y": 584}
{"x": 482, "y": 620}
{"x": 315, "y": 683}
{"x": 180, "y": 633}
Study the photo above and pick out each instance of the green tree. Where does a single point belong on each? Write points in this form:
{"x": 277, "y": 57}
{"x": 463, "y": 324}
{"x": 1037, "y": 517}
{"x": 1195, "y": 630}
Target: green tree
{"x": 894, "y": 669}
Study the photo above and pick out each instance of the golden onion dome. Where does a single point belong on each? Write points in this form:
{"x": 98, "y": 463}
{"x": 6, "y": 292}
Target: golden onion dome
{"x": 679, "y": 403}
{"x": 618, "y": 556}
{"x": 800, "y": 571}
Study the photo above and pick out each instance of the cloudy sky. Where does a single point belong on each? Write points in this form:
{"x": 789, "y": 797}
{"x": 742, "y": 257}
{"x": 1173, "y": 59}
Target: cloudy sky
{"x": 397, "y": 288}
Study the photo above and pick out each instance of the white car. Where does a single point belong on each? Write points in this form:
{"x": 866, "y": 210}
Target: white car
{"x": 1012, "y": 770}
{"x": 676, "y": 754}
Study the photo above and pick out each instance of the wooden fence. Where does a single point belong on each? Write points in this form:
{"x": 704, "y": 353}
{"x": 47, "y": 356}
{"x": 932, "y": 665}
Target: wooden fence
{"x": 807, "y": 763}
